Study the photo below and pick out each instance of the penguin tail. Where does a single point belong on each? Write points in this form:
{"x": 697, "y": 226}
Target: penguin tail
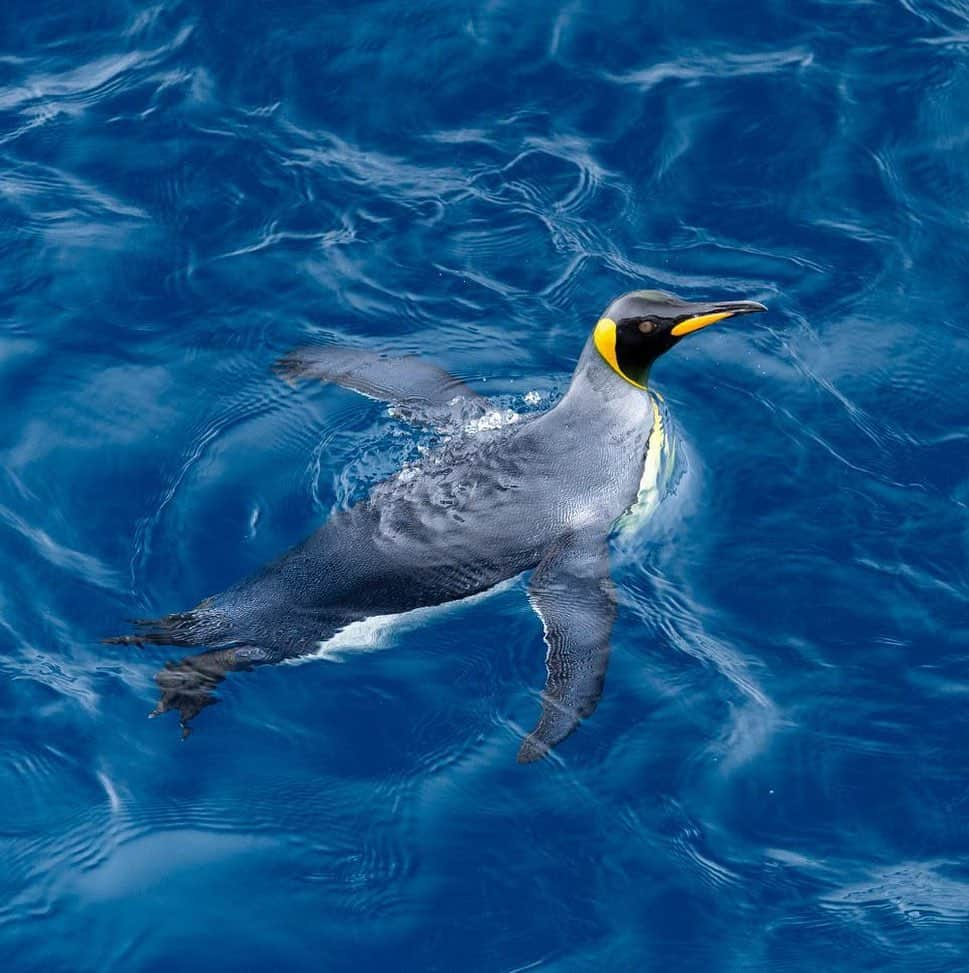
{"x": 200, "y": 626}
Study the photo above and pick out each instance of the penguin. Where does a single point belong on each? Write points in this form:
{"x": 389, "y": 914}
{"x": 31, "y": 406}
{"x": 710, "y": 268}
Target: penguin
{"x": 543, "y": 494}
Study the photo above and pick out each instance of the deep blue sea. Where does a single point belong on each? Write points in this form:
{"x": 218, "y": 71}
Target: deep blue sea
{"x": 777, "y": 778}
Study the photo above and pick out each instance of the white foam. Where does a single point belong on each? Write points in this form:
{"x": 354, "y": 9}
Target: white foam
{"x": 109, "y": 789}
{"x": 495, "y": 419}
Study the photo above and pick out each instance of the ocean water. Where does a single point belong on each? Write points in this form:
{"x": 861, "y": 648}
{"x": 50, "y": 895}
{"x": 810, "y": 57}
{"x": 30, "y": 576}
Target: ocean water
{"x": 777, "y": 778}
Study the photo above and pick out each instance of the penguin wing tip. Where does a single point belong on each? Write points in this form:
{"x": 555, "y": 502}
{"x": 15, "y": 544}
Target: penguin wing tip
{"x": 532, "y": 750}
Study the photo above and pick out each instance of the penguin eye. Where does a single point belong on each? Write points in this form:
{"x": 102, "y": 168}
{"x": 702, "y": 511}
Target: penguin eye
{"x": 647, "y": 326}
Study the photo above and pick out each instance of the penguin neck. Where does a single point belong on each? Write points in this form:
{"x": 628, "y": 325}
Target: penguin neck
{"x": 596, "y": 385}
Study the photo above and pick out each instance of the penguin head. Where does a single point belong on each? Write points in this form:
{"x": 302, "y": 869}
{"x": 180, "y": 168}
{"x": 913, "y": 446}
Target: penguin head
{"x": 640, "y": 326}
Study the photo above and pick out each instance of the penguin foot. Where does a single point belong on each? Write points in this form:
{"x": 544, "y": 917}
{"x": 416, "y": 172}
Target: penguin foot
{"x": 188, "y": 687}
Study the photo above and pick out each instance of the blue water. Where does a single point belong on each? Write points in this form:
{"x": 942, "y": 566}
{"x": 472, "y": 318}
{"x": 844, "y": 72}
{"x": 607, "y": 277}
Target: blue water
{"x": 777, "y": 777}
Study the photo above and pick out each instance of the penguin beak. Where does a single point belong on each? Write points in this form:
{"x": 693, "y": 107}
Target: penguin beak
{"x": 707, "y": 314}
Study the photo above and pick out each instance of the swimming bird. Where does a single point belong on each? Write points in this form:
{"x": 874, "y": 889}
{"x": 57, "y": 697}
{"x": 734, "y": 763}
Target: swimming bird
{"x": 542, "y": 495}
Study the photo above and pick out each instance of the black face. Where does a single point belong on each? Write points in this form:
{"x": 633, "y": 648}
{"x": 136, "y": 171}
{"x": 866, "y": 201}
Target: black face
{"x": 648, "y": 323}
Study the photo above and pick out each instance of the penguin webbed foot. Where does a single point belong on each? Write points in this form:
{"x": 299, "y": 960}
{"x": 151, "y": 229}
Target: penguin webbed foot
{"x": 188, "y": 686}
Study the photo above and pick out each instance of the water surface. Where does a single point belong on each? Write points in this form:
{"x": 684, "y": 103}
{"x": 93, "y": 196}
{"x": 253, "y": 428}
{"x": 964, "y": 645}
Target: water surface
{"x": 776, "y": 778}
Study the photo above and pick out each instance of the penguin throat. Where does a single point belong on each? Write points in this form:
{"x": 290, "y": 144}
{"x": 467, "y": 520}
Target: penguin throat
{"x": 604, "y": 337}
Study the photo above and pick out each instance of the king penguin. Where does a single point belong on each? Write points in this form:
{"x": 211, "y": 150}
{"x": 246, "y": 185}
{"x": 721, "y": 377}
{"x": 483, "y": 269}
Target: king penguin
{"x": 541, "y": 495}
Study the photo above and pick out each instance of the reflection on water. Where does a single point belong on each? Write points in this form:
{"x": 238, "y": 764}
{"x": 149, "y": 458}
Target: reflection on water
{"x": 776, "y": 775}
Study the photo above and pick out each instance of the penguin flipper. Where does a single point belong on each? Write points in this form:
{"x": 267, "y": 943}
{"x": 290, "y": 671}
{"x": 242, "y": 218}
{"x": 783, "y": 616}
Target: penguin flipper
{"x": 572, "y": 592}
{"x": 421, "y": 391}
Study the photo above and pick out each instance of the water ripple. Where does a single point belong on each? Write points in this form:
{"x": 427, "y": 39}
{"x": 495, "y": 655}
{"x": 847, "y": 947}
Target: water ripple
{"x": 775, "y": 777}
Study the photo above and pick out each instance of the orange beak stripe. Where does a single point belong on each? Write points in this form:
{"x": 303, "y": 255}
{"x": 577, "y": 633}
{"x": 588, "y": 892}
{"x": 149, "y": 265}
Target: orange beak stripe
{"x": 700, "y": 321}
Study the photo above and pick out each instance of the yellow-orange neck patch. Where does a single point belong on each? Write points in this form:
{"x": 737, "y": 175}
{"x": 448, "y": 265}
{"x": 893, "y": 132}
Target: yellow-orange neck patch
{"x": 604, "y": 337}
